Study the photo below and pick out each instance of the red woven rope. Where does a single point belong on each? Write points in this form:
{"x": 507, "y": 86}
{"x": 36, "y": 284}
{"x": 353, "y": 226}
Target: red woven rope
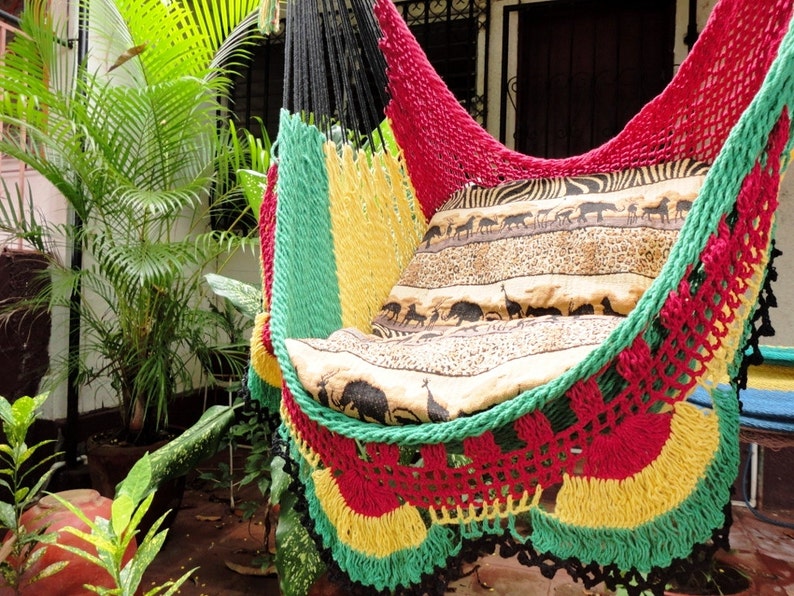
{"x": 445, "y": 149}
{"x": 267, "y": 231}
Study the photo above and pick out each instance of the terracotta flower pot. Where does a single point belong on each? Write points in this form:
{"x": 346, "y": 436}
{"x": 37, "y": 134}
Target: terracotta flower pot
{"x": 51, "y": 514}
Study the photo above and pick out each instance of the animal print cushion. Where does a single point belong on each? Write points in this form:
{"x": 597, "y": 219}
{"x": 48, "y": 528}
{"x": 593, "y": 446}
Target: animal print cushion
{"x": 438, "y": 376}
{"x": 577, "y": 245}
{"x": 480, "y": 313}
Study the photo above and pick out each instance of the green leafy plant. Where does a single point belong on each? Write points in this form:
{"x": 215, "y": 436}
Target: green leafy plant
{"x": 112, "y": 537}
{"x": 250, "y": 434}
{"x": 18, "y": 218}
{"x": 246, "y": 298}
{"x": 23, "y": 475}
{"x": 296, "y": 560}
{"x": 138, "y": 142}
{"x": 251, "y": 154}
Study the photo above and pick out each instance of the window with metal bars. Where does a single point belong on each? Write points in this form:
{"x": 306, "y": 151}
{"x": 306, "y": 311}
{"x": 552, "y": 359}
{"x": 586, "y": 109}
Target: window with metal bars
{"x": 448, "y": 31}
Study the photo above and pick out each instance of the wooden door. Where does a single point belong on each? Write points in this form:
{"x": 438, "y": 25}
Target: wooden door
{"x": 584, "y": 68}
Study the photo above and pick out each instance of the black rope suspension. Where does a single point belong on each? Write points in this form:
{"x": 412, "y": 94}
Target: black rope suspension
{"x": 335, "y": 73}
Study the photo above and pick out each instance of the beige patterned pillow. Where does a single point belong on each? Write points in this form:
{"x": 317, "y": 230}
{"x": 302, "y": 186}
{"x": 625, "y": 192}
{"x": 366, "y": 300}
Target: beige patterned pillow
{"x": 578, "y": 245}
{"x": 481, "y": 312}
{"x": 438, "y": 376}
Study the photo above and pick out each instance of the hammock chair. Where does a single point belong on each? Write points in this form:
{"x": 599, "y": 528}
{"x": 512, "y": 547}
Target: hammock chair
{"x": 471, "y": 349}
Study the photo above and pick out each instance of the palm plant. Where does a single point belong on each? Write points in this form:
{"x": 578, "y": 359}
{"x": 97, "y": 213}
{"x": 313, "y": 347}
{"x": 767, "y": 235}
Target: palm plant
{"x": 131, "y": 135}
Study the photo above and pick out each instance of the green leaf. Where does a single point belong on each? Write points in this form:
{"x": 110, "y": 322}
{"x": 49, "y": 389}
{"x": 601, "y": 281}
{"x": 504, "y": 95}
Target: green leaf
{"x": 80, "y": 552}
{"x": 23, "y": 411}
{"x": 132, "y": 574}
{"x": 33, "y": 557}
{"x": 197, "y": 443}
{"x": 173, "y": 586}
{"x": 245, "y": 297}
{"x": 8, "y": 515}
{"x": 6, "y": 413}
{"x": 121, "y": 511}
{"x": 48, "y": 571}
{"x": 254, "y": 185}
{"x": 297, "y": 561}
{"x": 280, "y": 479}
{"x": 137, "y": 484}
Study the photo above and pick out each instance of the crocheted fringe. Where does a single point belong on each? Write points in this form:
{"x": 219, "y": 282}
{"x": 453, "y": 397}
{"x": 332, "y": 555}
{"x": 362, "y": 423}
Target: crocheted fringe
{"x": 265, "y": 395}
{"x": 507, "y": 540}
{"x": 402, "y": 567}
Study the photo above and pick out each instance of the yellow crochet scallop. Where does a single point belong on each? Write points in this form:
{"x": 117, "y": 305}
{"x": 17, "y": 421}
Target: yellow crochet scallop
{"x": 486, "y": 511}
{"x": 264, "y": 364}
{"x": 373, "y": 536}
{"x": 664, "y": 484}
{"x": 372, "y": 244}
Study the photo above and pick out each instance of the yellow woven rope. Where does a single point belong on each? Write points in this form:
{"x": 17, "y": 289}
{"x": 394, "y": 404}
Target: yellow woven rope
{"x": 373, "y": 536}
{"x": 306, "y": 452}
{"x": 491, "y": 511}
{"x": 664, "y": 484}
{"x": 264, "y": 364}
{"x": 373, "y": 243}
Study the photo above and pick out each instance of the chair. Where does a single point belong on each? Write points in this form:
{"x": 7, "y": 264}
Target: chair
{"x": 578, "y": 449}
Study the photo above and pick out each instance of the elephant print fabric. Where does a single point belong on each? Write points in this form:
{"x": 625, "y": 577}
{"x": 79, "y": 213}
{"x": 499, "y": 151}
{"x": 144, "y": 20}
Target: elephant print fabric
{"x": 510, "y": 287}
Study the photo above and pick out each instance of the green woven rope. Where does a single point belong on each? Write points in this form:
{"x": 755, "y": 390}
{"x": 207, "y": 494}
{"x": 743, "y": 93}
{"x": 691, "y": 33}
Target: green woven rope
{"x": 404, "y": 567}
{"x": 305, "y": 300}
{"x": 669, "y": 536}
{"x": 263, "y": 393}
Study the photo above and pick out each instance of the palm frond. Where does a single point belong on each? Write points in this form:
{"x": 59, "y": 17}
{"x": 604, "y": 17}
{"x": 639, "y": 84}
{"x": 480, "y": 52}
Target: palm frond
{"x": 133, "y": 138}
{"x": 228, "y": 27}
{"x": 19, "y": 217}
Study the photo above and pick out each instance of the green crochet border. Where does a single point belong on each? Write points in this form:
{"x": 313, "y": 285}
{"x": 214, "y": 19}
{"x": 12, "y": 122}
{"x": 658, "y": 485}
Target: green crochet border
{"x": 402, "y": 568}
{"x": 672, "y": 534}
{"x": 655, "y": 544}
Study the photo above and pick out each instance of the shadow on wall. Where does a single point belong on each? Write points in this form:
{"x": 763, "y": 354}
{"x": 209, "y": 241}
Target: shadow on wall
{"x": 24, "y": 335}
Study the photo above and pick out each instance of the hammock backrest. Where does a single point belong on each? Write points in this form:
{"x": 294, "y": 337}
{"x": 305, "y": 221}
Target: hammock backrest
{"x": 318, "y": 312}
{"x": 390, "y": 504}
{"x": 446, "y": 149}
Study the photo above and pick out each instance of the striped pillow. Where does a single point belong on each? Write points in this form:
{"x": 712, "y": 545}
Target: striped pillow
{"x": 476, "y": 316}
{"x": 575, "y": 245}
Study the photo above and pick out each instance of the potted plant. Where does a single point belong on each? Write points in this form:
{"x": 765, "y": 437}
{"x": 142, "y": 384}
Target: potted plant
{"x": 131, "y": 132}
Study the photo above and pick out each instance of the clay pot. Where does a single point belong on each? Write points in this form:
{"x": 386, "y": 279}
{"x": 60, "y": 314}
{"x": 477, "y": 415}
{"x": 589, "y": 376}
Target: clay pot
{"x": 109, "y": 463}
{"x": 51, "y": 514}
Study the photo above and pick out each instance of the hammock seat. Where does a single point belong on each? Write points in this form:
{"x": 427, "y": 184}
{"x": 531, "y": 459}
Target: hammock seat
{"x": 599, "y": 463}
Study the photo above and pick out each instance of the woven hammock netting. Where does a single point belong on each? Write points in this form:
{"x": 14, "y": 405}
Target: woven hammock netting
{"x": 606, "y": 471}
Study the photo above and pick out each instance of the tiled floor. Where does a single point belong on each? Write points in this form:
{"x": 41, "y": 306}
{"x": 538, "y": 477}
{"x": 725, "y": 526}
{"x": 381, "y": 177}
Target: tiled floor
{"x": 208, "y": 535}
